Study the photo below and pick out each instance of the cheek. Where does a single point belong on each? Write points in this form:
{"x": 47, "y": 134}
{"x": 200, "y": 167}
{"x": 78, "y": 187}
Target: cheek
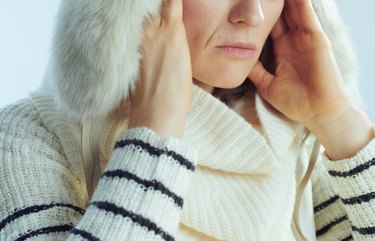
{"x": 192, "y": 12}
{"x": 198, "y": 21}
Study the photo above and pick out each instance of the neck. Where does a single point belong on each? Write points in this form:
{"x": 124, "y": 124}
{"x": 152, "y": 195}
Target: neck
{"x": 203, "y": 86}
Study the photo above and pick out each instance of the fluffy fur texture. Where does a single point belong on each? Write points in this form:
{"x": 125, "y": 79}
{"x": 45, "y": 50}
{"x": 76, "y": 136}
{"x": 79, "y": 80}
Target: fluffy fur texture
{"x": 337, "y": 32}
{"x": 95, "y": 56}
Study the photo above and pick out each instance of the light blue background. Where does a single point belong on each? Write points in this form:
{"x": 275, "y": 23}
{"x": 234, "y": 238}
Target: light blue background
{"x": 26, "y": 29}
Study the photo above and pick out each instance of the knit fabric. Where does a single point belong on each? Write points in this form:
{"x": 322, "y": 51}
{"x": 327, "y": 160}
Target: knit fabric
{"x": 240, "y": 187}
{"x": 344, "y": 197}
{"x": 139, "y": 197}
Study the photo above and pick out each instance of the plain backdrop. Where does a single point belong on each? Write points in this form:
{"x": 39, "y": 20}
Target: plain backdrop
{"x": 26, "y": 30}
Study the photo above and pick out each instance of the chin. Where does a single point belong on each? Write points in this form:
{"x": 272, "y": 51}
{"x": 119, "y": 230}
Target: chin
{"x": 219, "y": 83}
{"x": 228, "y": 76}
{"x": 227, "y": 82}
{"x": 230, "y": 84}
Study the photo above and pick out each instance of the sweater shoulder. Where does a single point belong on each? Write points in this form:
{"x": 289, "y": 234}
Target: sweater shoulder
{"x": 21, "y": 125}
{"x": 20, "y": 112}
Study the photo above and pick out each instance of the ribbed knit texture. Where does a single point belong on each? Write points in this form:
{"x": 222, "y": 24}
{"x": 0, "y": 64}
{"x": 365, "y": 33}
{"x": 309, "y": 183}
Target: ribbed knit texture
{"x": 242, "y": 186}
{"x": 349, "y": 204}
{"x": 139, "y": 197}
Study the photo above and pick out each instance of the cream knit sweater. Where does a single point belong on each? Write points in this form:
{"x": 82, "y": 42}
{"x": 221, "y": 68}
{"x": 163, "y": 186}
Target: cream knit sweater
{"x": 225, "y": 181}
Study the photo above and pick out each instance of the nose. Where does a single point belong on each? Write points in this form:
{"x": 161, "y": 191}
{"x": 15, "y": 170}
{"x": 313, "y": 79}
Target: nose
{"x": 249, "y": 12}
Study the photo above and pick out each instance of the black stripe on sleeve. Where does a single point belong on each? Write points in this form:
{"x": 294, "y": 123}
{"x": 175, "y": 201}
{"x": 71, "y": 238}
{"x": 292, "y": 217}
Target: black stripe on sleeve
{"x": 148, "y": 184}
{"x": 46, "y": 230}
{"x": 326, "y": 228}
{"x": 353, "y": 171}
{"x": 350, "y": 237}
{"x": 84, "y": 234}
{"x": 359, "y": 199}
{"x": 153, "y": 151}
{"x": 110, "y": 207}
{"x": 325, "y": 204}
{"x": 364, "y": 231}
{"x": 18, "y": 213}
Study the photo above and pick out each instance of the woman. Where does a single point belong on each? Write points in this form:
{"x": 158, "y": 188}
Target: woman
{"x": 185, "y": 166}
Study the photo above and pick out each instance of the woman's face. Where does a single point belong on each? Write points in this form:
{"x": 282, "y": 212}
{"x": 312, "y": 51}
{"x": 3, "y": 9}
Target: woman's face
{"x": 226, "y": 37}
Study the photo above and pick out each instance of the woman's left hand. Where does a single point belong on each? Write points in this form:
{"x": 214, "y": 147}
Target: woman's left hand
{"x": 307, "y": 79}
{"x": 306, "y": 86}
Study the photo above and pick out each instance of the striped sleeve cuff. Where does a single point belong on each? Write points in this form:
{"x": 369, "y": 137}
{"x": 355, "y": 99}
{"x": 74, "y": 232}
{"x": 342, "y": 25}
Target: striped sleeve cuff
{"x": 330, "y": 216}
{"x": 140, "y": 195}
{"x": 142, "y": 152}
{"x": 353, "y": 179}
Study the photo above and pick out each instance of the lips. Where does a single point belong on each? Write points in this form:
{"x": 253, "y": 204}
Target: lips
{"x": 237, "y": 49}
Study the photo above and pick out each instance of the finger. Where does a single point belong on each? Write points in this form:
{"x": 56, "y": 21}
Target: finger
{"x": 289, "y": 20}
{"x": 303, "y": 14}
{"x": 280, "y": 28}
{"x": 261, "y": 78}
{"x": 172, "y": 10}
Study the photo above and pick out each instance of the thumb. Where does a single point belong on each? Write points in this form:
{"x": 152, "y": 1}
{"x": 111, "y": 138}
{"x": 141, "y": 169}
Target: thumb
{"x": 261, "y": 78}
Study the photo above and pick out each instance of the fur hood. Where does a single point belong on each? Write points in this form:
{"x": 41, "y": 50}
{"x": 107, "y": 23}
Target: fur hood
{"x": 95, "y": 58}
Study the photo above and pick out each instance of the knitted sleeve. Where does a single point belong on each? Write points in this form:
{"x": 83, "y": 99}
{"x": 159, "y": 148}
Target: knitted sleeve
{"x": 139, "y": 196}
{"x": 344, "y": 197}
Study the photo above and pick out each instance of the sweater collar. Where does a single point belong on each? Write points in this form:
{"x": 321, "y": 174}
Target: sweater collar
{"x": 226, "y": 141}
{"x": 223, "y": 138}
{"x": 239, "y": 169}
{"x": 279, "y": 130}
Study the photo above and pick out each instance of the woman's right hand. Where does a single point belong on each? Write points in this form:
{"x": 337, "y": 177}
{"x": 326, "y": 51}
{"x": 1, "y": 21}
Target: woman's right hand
{"x": 163, "y": 92}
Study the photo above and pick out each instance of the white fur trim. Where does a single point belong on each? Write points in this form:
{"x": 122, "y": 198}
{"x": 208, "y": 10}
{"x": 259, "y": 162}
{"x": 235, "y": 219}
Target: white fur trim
{"x": 337, "y": 32}
{"x": 95, "y": 57}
